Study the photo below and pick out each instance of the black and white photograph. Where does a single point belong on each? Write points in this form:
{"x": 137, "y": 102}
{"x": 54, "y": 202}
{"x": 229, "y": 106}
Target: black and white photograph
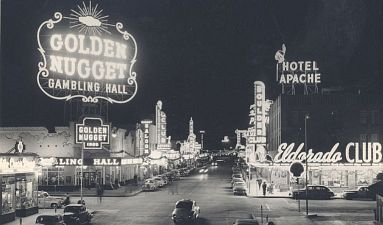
{"x": 204, "y": 112}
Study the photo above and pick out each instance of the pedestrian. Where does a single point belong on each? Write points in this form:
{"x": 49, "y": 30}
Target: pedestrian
{"x": 67, "y": 199}
{"x": 264, "y": 186}
{"x": 259, "y": 183}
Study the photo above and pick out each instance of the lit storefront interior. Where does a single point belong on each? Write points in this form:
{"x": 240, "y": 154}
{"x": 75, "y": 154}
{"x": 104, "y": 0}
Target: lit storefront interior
{"x": 337, "y": 176}
{"x": 18, "y": 175}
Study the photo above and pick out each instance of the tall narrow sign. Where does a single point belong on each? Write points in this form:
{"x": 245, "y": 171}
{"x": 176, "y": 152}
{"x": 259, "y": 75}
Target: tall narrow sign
{"x": 84, "y": 55}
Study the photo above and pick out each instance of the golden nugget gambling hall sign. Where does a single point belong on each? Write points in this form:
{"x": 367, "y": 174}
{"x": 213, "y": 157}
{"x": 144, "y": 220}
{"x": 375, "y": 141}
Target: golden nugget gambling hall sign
{"x": 83, "y": 55}
{"x": 92, "y": 133}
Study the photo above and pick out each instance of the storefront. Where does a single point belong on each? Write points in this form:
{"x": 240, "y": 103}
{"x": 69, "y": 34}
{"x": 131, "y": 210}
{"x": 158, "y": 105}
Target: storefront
{"x": 337, "y": 176}
{"x": 18, "y": 176}
{"x": 64, "y": 173}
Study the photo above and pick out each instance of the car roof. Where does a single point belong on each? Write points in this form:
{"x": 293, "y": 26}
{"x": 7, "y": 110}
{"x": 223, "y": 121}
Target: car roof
{"x": 185, "y": 200}
{"x": 78, "y": 205}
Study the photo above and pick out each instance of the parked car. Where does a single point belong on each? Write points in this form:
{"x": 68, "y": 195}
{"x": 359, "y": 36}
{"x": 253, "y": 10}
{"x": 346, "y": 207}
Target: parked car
{"x": 185, "y": 211}
{"x": 361, "y": 193}
{"x": 150, "y": 185}
{"x": 239, "y": 188}
{"x": 246, "y": 222}
{"x": 234, "y": 180}
{"x": 160, "y": 181}
{"x": 55, "y": 219}
{"x": 176, "y": 174}
{"x": 77, "y": 214}
{"x": 44, "y": 200}
{"x": 236, "y": 175}
{"x": 313, "y": 192}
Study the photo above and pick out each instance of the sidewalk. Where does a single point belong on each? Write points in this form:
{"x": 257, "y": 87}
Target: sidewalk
{"x": 255, "y": 192}
{"x": 123, "y": 191}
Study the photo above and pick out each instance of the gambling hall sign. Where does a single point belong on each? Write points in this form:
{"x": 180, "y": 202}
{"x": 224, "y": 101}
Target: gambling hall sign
{"x": 92, "y": 133}
{"x": 84, "y": 55}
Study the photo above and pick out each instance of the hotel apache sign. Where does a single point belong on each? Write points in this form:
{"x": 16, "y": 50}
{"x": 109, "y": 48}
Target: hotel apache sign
{"x": 366, "y": 152}
{"x": 92, "y": 133}
{"x": 296, "y": 72}
{"x": 84, "y": 55}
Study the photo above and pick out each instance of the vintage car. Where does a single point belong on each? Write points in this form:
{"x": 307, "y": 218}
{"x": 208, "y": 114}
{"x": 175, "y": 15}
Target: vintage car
{"x": 186, "y": 210}
{"x": 239, "y": 188}
{"x": 150, "y": 185}
{"x": 55, "y": 219}
{"x": 246, "y": 222}
{"x": 77, "y": 214}
{"x": 47, "y": 201}
{"x": 361, "y": 193}
{"x": 313, "y": 192}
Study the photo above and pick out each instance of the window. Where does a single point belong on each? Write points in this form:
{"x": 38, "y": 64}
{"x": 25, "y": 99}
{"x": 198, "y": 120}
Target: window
{"x": 363, "y": 117}
{"x": 374, "y": 117}
{"x": 26, "y": 194}
{"x": 7, "y": 195}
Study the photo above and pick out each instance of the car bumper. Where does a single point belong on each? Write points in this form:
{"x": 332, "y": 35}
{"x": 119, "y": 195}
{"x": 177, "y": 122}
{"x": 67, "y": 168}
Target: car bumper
{"x": 239, "y": 192}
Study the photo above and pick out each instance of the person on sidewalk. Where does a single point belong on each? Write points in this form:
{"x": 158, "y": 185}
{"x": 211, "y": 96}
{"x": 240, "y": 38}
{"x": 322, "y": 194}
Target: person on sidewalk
{"x": 67, "y": 199}
{"x": 259, "y": 180}
{"x": 264, "y": 186}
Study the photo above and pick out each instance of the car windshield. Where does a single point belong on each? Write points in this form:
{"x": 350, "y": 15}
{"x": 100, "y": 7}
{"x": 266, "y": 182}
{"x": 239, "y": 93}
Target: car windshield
{"x": 184, "y": 205}
{"x": 240, "y": 184}
{"x": 73, "y": 209}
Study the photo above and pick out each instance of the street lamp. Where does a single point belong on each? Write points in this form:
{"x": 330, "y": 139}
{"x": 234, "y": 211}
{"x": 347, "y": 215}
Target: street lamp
{"x": 307, "y": 171}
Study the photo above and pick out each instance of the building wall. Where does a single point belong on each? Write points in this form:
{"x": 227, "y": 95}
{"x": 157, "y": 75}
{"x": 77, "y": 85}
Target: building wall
{"x": 38, "y": 140}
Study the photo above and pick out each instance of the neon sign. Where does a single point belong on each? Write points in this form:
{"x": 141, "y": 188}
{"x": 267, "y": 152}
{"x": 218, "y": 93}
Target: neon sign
{"x": 366, "y": 152}
{"x": 89, "y": 162}
{"x": 84, "y": 56}
{"x": 296, "y": 72}
{"x": 92, "y": 133}
{"x": 257, "y": 133}
{"x": 146, "y": 124}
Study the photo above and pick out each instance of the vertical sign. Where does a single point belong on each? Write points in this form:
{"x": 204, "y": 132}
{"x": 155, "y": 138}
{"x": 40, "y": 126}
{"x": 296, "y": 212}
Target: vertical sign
{"x": 92, "y": 133}
{"x": 146, "y": 125}
{"x": 259, "y": 110}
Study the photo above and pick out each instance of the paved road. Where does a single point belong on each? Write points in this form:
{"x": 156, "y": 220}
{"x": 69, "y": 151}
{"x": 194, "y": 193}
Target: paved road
{"x": 213, "y": 194}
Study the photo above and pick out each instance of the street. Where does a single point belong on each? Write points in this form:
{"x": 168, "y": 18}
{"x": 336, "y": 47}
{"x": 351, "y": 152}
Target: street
{"x": 218, "y": 205}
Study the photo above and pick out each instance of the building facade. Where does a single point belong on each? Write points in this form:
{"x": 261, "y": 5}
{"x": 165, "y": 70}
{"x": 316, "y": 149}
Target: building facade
{"x": 348, "y": 127}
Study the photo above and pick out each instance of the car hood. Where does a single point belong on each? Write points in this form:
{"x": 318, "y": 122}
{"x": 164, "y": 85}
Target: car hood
{"x": 181, "y": 212}
{"x": 350, "y": 191}
{"x": 69, "y": 214}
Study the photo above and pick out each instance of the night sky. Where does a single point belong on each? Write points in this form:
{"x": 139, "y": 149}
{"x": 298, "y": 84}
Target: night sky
{"x": 200, "y": 57}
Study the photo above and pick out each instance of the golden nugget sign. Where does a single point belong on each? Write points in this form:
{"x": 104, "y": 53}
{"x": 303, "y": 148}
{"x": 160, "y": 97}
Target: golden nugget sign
{"x": 92, "y": 133}
{"x": 366, "y": 152}
{"x": 83, "y": 55}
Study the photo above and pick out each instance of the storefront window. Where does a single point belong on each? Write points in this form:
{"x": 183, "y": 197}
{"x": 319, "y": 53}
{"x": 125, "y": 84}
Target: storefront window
{"x": 363, "y": 177}
{"x": 26, "y": 192}
{"x": 333, "y": 178}
{"x": 7, "y": 195}
{"x": 52, "y": 176}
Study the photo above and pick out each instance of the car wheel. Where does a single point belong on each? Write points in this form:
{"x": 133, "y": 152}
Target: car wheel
{"x": 54, "y": 205}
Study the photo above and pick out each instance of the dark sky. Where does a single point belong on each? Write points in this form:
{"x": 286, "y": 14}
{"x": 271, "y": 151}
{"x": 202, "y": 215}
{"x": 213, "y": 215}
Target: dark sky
{"x": 200, "y": 57}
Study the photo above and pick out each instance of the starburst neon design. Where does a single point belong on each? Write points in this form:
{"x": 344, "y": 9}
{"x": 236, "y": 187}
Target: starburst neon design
{"x": 89, "y": 20}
